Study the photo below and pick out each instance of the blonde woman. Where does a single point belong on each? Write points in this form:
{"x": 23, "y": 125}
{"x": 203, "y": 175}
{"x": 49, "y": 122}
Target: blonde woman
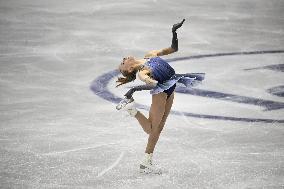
{"x": 161, "y": 79}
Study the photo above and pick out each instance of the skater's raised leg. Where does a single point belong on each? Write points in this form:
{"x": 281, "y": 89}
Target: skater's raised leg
{"x": 143, "y": 121}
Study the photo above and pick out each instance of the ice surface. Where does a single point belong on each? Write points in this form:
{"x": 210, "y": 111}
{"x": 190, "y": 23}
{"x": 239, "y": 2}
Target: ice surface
{"x": 57, "y": 133}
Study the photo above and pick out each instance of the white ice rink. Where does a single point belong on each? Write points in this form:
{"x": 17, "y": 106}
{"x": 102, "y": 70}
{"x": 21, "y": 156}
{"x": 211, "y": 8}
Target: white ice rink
{"x": 58, "y": 133}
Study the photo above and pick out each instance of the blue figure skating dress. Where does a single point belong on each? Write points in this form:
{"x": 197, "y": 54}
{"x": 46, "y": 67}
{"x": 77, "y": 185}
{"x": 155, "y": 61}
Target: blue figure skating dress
{"x": 162, "y": 72}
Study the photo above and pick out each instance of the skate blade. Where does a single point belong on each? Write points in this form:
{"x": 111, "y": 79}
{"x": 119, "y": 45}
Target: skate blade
{"x": 146, "y": 170}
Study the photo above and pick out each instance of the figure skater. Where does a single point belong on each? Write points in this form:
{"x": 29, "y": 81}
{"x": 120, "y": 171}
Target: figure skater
{"x": 161, "y": 79}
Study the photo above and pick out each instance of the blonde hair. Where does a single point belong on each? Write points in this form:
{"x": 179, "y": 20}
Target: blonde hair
{"x": 128, "y": 77}
{"x": 131, "y": 76}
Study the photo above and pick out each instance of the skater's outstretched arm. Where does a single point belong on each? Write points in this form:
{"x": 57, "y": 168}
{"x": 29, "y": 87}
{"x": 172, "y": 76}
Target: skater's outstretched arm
{"x": 138, "y": 88}
{"x": 169, "y": 50}
{"x": 143, "y": 76}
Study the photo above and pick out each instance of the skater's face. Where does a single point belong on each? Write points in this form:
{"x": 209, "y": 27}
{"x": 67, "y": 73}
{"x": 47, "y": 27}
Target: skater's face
{"x": 127, "y": 65}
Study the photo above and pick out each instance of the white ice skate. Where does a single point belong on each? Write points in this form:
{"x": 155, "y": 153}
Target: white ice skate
{"x": 147, "y": 167}
{"x": 123, "y": 103}
{"x": 150, "y": 168}
{"x": 127, "y": 105}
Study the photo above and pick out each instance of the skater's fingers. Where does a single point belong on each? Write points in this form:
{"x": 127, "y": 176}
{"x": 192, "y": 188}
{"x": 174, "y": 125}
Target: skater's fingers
{"x": 178, "y": 25}
{"x": 181, "y": 23}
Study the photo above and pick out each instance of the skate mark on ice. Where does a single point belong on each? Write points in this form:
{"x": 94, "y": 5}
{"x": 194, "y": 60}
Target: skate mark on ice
{"x": 112, "y": 165}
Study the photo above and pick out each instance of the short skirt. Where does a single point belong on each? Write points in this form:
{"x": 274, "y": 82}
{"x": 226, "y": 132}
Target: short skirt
{"x": 188, "y": 80}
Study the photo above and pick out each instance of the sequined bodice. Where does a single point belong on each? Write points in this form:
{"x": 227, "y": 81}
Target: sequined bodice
{"x": 160, "y": 69}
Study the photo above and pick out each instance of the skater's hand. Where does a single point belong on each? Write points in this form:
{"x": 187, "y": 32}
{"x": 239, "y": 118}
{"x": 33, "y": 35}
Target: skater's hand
{"x": 177, "y": 26}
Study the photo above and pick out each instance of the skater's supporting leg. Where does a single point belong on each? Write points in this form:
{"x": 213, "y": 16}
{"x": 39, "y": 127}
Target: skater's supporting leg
{"x": 146, "y": 165}
{"x": 167, "y": 111}
{"x": 156, "y": 114}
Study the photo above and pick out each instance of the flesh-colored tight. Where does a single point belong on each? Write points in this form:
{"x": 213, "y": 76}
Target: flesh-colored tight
{"x": 153, "y": 126}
